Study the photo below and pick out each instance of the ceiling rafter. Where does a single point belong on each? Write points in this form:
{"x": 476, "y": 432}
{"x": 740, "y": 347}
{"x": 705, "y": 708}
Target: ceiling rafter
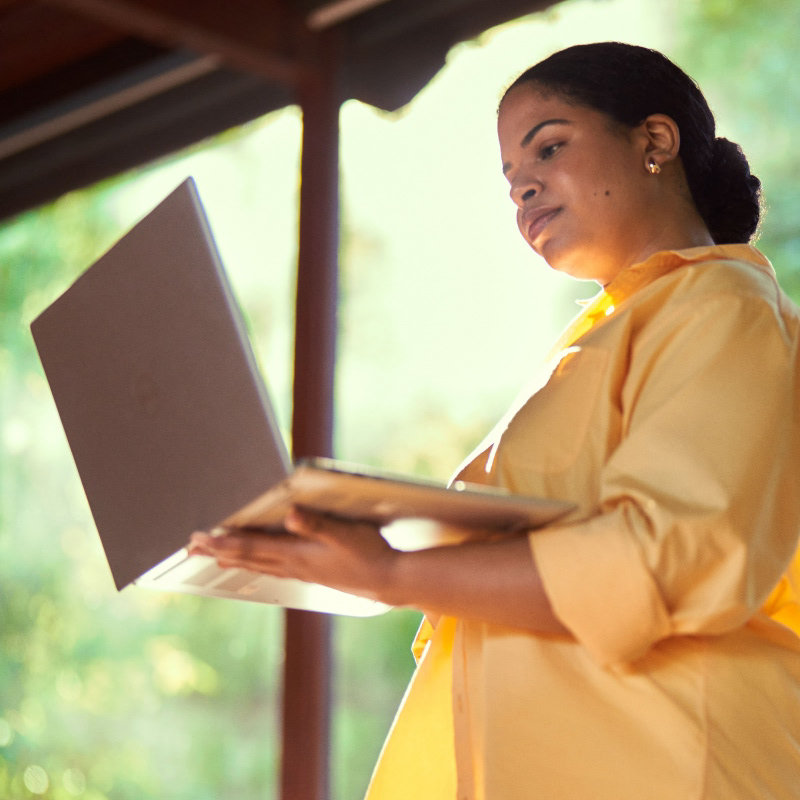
{"x": 254, "y": 36}
{"x": 90, "y": 88}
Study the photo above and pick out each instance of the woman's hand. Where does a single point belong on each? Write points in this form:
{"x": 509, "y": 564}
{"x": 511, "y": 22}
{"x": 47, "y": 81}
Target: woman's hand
{"x": 490, "y": 579}
{"x": 350, "y": 556}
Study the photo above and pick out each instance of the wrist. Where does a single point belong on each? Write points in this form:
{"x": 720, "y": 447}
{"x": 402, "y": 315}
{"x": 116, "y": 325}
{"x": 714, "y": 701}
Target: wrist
{"x": 390, "y": 588}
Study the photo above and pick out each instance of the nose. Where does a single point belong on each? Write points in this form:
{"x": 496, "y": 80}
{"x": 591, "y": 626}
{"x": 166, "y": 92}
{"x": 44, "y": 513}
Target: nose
{"x": 524, "y": 187}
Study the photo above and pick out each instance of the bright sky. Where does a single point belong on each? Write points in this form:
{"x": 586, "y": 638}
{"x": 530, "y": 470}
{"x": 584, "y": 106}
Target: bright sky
{"x": 442, "y": 300}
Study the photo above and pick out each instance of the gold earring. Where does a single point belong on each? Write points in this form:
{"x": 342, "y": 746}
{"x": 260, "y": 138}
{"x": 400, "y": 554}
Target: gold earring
{"x": 652, "y": 166}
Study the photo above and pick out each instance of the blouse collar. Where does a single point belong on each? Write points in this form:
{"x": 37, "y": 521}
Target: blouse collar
{"x": 639, "y": 275}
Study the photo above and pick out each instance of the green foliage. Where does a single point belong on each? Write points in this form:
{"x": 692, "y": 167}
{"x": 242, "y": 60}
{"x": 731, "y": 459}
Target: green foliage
{"x": 743, "y": 54}
{"x": 374, "y": 664}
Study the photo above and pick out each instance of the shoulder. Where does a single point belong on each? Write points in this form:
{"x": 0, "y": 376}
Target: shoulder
{"x": 724, "y": 274}
{"x": 734, "y": 282}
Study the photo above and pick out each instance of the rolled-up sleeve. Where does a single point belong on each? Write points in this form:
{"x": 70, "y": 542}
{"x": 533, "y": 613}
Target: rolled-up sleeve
{"x": 698, "y": 511}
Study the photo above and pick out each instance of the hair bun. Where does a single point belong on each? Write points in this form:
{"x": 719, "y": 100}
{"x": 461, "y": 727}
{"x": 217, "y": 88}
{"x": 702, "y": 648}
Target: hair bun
{"x": 732, "y": 201}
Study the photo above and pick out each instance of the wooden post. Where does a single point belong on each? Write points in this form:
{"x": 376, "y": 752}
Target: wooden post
{"x": 308, "y": 662}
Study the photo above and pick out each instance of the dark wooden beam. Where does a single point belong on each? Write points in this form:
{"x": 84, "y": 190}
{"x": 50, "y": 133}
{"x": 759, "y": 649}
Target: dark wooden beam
{"x": 252, "y": 35}
{"x": 60, "y": 38}
{"x": 308, "y": 661}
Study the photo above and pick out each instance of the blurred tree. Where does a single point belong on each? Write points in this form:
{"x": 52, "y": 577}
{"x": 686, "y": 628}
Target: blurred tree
{"x": 743, "y": 54}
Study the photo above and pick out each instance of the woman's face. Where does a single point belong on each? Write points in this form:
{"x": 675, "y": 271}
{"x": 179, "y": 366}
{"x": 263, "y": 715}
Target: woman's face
{"x": 579, "y": 182}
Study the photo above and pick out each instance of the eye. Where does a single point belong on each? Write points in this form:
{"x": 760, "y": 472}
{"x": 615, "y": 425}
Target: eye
{"x": 548, "y": 151}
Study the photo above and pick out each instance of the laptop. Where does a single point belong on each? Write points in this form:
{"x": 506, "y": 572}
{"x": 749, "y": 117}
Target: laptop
{"x": 172, "y": 429}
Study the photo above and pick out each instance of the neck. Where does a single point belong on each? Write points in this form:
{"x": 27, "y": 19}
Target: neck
{"x": 678, "y": 228}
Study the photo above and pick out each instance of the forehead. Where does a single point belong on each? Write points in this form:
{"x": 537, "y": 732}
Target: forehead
{"x": 528, "y": 96}
{"x": 526, "y": 106}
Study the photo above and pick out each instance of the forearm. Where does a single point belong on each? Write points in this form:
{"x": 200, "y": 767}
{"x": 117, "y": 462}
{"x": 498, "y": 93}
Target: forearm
{"x": 495, "y": 582}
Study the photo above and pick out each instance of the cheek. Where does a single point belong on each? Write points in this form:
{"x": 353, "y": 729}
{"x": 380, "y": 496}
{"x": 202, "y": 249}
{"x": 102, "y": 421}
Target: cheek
{"x": 616, "y": 183}
{"x": 602, "y": 198}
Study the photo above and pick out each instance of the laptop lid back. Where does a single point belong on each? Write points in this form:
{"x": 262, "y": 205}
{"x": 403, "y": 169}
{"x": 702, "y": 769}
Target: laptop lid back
{"x": 157, "y": 388}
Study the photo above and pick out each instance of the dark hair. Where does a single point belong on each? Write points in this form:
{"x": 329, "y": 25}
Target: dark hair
{"x": 628, "y": 83}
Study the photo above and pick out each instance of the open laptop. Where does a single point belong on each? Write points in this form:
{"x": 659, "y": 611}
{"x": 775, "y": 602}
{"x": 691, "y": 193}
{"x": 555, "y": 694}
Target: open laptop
{"x": 172, "y": 429}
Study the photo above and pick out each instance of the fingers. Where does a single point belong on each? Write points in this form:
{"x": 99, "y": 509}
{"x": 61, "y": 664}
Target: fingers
{"x": 241, "y": 545}
{"x": 325, "y": 528}
{"x": 281, "y": 555}
{"x": 301, "y": 522}
{"x": 245, "y": 545}
{"x": 306, "y": 536}
{"x": 312, "y": 547}
{"x": 260, "y": 549}
{"x": 311, "y": 524}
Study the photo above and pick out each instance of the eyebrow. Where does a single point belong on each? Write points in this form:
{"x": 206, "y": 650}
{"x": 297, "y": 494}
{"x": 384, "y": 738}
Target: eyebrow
{"x": 528, "y": 137}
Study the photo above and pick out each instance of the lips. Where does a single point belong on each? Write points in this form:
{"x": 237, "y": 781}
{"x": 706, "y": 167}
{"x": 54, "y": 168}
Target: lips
{"x": 535, "y": 220}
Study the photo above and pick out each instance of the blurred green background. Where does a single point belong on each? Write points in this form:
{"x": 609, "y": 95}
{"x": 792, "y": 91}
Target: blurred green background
{"x": 444, "y": 315}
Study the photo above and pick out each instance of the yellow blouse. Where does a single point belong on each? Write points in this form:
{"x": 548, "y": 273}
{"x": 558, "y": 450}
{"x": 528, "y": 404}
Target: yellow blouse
{"x": 672, "y": 419}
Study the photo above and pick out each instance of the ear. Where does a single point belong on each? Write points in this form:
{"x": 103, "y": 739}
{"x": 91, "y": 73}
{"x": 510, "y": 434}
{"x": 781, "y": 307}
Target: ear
{"x": 660, "y": 138}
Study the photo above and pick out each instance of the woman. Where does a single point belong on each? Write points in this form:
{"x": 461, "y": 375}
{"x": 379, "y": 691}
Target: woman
{"x": 640, "y": 648}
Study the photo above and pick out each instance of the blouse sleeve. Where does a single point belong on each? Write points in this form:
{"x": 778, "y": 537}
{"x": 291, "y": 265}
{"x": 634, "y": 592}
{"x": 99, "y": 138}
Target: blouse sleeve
{"x": 699, "y": 513}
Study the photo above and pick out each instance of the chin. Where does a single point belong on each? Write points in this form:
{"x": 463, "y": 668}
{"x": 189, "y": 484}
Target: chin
{"x": 564, "y": 265}
{"x": 572, "y": 264}
{"x": 577, "y": 274}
